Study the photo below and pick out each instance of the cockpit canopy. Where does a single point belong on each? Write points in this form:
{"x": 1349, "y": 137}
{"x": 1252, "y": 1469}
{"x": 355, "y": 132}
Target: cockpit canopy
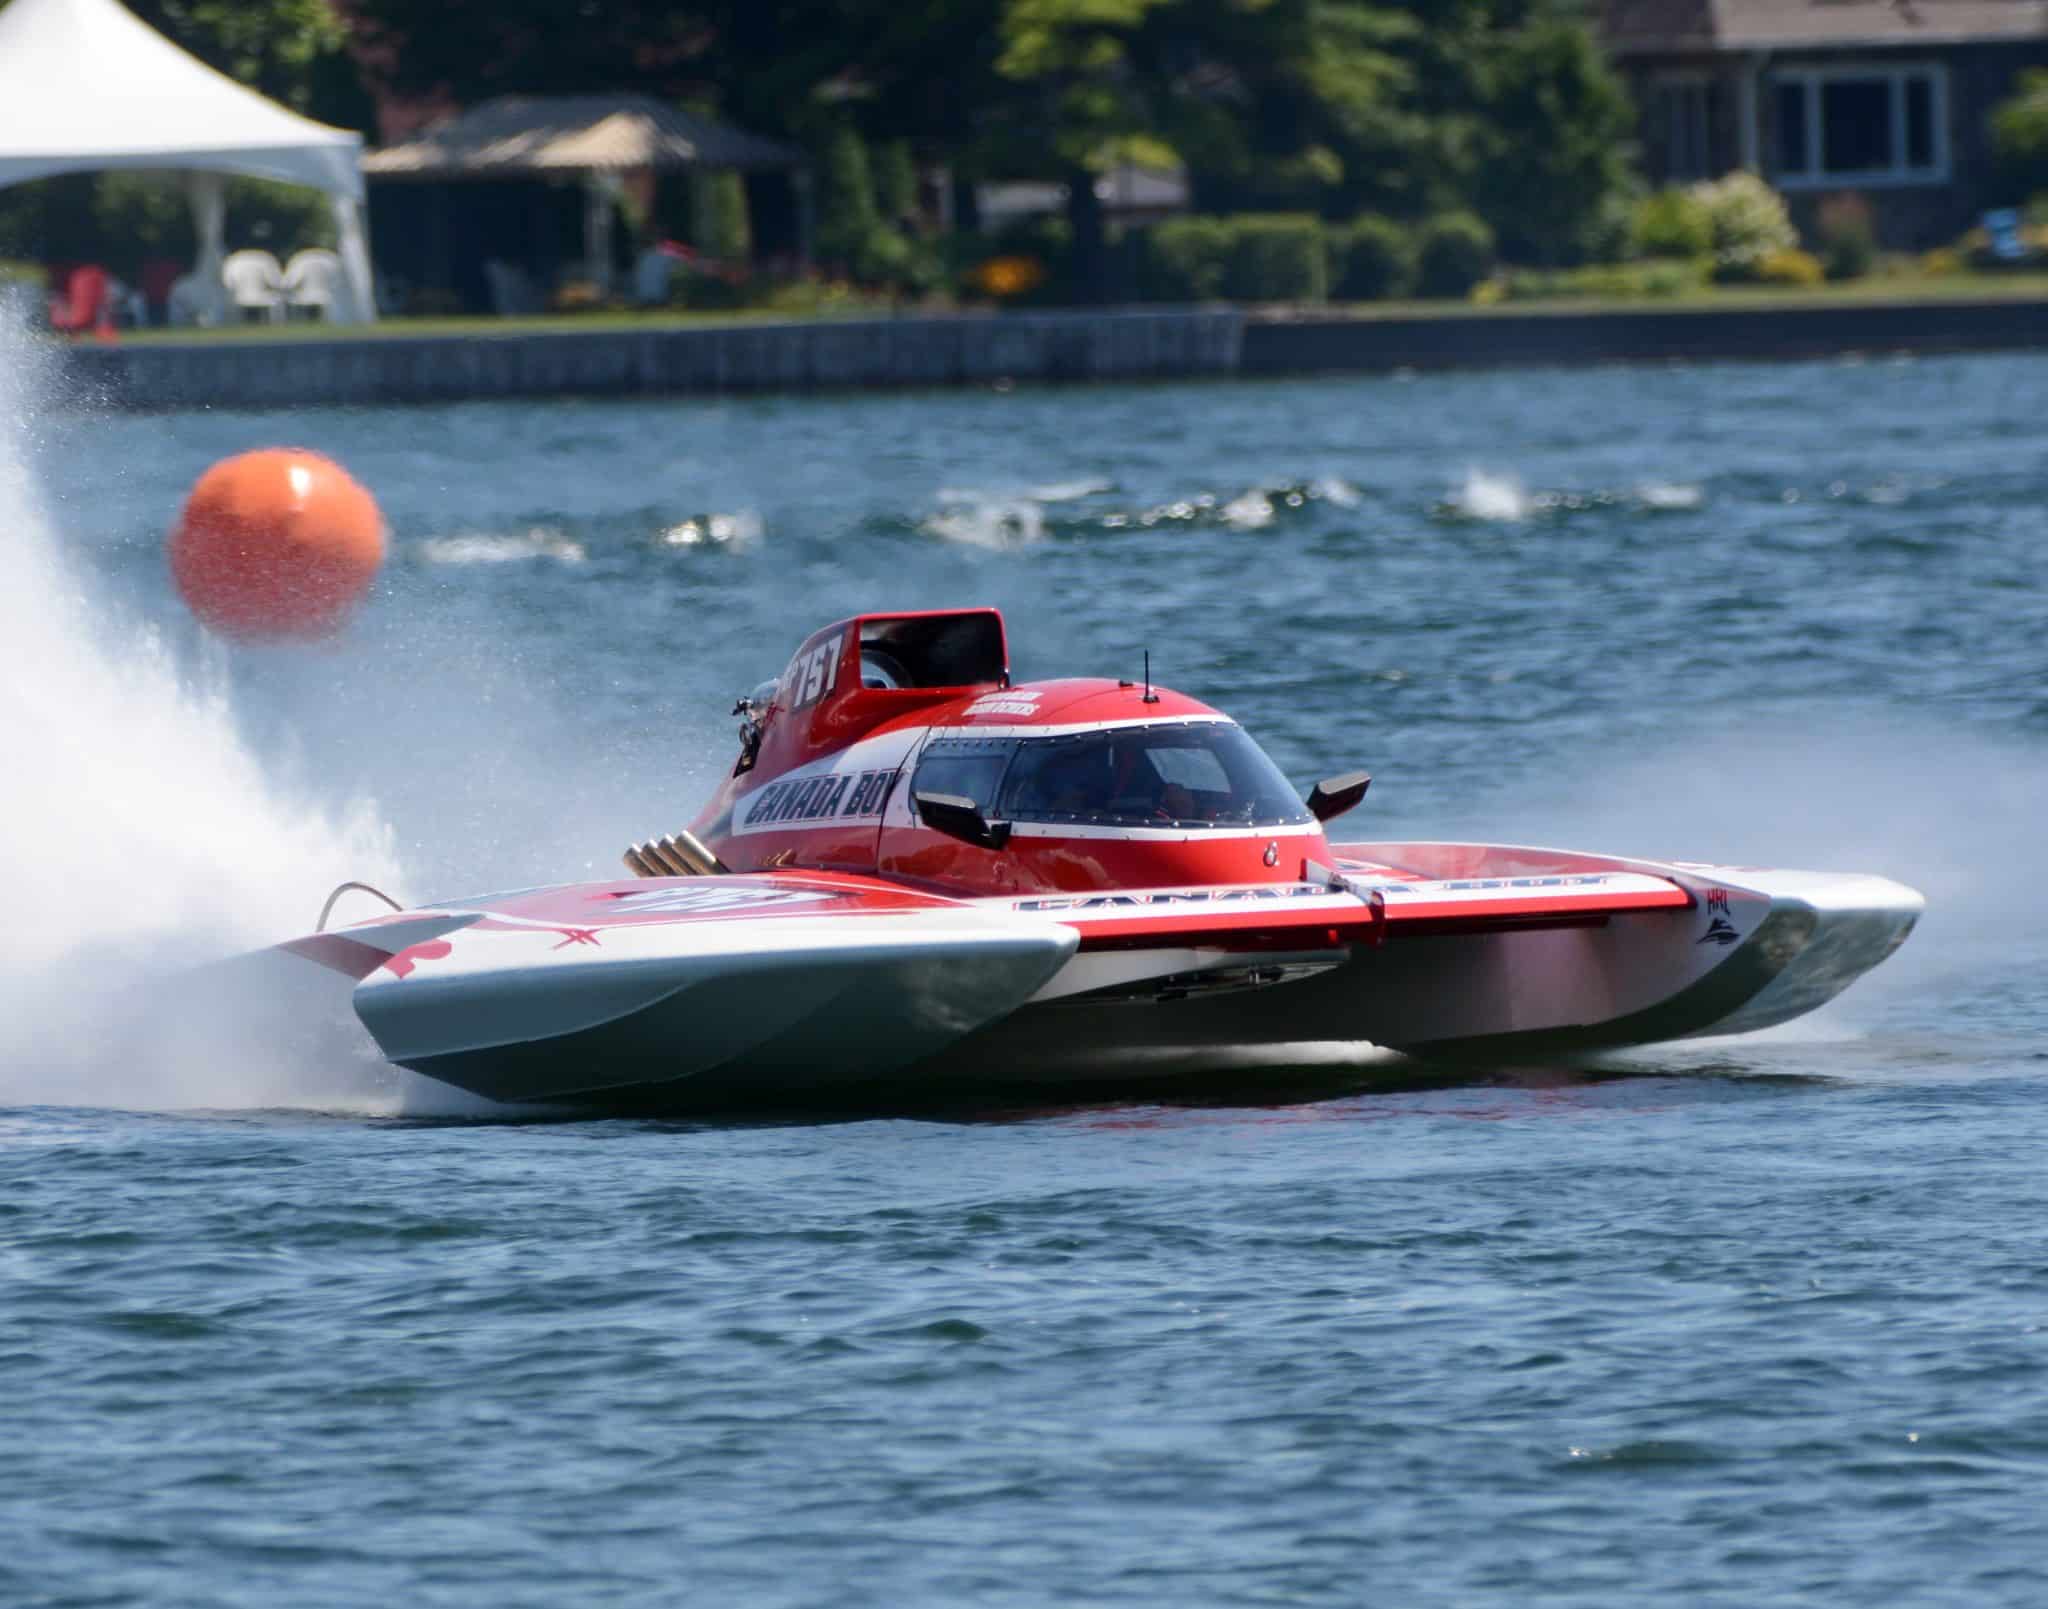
{"x": 1176, "y": 774}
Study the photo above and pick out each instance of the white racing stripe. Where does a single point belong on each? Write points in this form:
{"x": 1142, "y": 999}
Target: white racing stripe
{"x": 1056, "y": 829}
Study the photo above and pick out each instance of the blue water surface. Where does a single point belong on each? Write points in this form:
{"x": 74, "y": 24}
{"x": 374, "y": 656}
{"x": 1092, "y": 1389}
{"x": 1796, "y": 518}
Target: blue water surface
{"x": 1737, "y": 1322}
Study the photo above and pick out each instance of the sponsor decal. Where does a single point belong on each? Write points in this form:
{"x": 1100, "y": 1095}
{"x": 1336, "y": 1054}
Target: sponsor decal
{"x": 1272, "y": 855}
{"x": 819, "y": 799}
{"x": 1175, "y": 897}
{"x": 576, "y": 935}
{"x": 401, "y": 964}
{"x": 1720, "y": 930}
{"x": 1475, "y": 884}
{"x": 1010, "y": 701}
{"x": 708, "y": 901}
{"x": 813, "y": 673}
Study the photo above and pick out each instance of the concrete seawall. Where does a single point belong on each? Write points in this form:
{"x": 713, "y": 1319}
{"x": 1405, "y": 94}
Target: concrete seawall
{"x": 1313, "y": 345}
{"x": 1169, "y": 343}
{"x": 1143, "y": 344}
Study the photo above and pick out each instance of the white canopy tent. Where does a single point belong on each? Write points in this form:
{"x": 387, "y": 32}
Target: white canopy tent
{"x": 85, "y": 85}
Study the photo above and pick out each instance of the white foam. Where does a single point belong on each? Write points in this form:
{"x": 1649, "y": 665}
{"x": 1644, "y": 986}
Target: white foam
{"x": 1489, "y": 496}
{"x": 488, "y": 548}
{"x": 144, "y": 835}
{"x": 988, "y": 521}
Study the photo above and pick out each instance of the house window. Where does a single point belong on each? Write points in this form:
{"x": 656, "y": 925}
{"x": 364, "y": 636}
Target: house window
{"x": 1862, "y": 125}
{"x": 1681, "y": 124}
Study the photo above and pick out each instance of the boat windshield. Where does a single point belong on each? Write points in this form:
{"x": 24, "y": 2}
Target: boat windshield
{"x": 1182, "y": 774}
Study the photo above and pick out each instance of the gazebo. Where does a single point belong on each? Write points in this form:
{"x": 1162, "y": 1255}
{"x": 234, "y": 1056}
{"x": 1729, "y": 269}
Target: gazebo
{"x": 85, "y": 85}
{"x": 598, "y": 139}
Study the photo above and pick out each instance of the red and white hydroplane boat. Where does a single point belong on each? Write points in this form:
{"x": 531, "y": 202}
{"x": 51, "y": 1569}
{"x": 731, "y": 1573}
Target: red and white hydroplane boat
{"x": 920, "y": 872}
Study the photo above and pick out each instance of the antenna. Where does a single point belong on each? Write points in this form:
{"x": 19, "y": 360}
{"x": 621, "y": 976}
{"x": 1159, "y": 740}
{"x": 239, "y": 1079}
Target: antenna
{"x": 1150, "y": 696}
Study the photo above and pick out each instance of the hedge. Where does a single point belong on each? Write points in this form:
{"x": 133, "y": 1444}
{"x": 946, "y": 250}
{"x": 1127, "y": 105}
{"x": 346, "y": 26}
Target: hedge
{"x": 1454, "y": 254}
{"x": 1371, "y": 257}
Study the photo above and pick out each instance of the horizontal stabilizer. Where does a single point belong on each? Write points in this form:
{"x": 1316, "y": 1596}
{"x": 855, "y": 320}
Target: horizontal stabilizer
{"x": 1351, "y": 910}
{"x": 1463, "y": 902}
{"x": 358, "y": 951}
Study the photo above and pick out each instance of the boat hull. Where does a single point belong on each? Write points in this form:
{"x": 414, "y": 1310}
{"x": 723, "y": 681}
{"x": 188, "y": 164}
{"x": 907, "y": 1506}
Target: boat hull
{"x": 737, "y": 990}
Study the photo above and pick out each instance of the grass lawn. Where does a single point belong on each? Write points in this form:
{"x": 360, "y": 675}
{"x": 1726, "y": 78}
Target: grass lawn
{"x": 484, "y": 324}
{"x": 1893, "y": 290}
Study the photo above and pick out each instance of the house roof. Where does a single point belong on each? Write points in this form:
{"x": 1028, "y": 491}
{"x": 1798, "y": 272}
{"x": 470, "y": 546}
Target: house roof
{"x": 517, "y": 135}
{"x": 1673, "y": 27}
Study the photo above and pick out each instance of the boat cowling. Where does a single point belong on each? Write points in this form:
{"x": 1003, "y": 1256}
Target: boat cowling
{"x": 856, "y": 674}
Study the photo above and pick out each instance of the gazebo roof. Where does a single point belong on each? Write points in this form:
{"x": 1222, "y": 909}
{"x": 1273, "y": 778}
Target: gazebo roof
{"x": 516, "y": 136}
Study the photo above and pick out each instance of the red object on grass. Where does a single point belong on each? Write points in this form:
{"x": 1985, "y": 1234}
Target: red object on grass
{"x": 83, "y": 304}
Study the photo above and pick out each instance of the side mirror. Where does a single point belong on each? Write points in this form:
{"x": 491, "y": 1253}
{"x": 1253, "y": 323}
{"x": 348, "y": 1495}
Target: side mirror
{"x": 962, "y": 819}
{"x": 1332, "y": 796}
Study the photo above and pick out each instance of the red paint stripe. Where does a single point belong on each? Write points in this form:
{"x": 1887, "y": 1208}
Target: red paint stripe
{"x": 1254, "y": 928}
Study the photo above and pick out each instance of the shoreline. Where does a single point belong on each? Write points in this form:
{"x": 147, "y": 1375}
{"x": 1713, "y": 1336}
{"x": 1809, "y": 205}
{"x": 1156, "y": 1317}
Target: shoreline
{"x": 768, "y": 356}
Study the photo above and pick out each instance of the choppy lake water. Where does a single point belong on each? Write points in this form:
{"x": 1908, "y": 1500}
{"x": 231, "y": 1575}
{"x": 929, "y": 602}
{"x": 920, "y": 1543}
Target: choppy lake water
{"x": 1732, "y": 1322}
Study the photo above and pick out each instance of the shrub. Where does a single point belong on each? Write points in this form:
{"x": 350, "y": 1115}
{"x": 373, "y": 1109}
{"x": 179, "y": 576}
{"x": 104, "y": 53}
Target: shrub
{"x": 1453, "y": 254}
{"x": 1749, "y": 223}
{"x": 1276, "y": 257}
{"x": 1371, "y": 257}
{"x": 895, "y": 182}
{"x": 1847, "y": 235}
{"x": 1045, "y": 241}
{"x": 1790, "y": 266}
{"x": 1005, "y": 277}
{"x": 846, "y": 200}
{"x": 2019, "y": 132}
{"x": 1607, "y": 281}
{"x": 708, "y": 293}
{"x": 1671, "y": 279}
{"x": 1185, "y": 259}
{"x": 1671, "y": 223}
{"x": 719, "y": 225}
{"x": 1941, "y": 262}
{"x": 853, "y": 237}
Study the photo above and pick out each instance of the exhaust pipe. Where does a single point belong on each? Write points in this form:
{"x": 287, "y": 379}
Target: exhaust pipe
{"x": 680, "y": 854}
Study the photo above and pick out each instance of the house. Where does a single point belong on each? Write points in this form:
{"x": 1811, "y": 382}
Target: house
{"x": 1130, "y": 192}
{"x": 1889, "y": 98}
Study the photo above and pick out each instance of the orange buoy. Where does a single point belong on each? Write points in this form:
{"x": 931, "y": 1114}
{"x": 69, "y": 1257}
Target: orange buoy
{"x": 276, "y": 544}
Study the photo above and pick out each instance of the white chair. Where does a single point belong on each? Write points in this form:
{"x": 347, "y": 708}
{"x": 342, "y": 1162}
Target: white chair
{"x": 313, "y": 282}
{"x": 255, "y": 284}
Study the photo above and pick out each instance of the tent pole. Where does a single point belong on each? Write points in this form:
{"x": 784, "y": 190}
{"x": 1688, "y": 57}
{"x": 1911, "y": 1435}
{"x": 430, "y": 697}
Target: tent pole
{"x": 352, "y": 236}
{"x": 207, "y": 194}
{"x": 599, "y": 190}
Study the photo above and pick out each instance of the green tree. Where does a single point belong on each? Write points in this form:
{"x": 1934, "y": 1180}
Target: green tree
{"x": 895, "y": 182}
{"x": 720, "y": 227}
{"x": 847, "y": 219}
{"x": 2019, "y": 133}
{"x": 294, "y": 51}
{"x": 1269, "y": 103}
{"x": 1558, "y": 142}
